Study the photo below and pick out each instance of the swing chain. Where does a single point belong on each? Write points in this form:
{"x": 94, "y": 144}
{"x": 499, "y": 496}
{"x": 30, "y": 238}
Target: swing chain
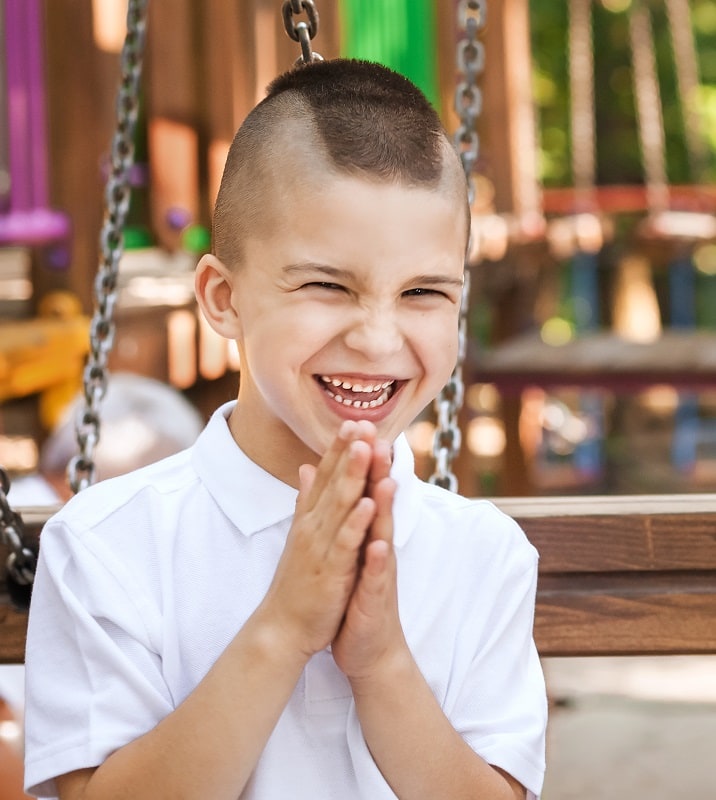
{"x": 21, "y": 561}
{"x": 81, "y": 469}
{"x": 302, "y": 31}
{"x": 472, "y": 17}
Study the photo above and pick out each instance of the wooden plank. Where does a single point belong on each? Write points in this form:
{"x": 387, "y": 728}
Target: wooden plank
{"x": 629, "y": 543}
{"x": 623, "y": 576}
{"x": 618, "y": 575}
{"x": 589, "y": 621}
{"x": 679, "y": 358}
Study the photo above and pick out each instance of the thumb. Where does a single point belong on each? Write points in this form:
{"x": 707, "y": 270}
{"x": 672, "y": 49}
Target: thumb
{"x": 306, "y": 477}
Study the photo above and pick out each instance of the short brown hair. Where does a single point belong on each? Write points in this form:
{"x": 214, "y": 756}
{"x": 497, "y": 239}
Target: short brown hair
{"x": 359, "y": 118}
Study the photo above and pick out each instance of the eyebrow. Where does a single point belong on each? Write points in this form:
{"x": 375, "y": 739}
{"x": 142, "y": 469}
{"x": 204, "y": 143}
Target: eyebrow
{"x": 309, "y": 266}
{"x": 435, "y": 280}
{"x": 336, "y": 272}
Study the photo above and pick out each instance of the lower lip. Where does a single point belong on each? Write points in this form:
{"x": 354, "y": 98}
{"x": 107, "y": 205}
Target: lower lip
{"x": 344, "y": 411}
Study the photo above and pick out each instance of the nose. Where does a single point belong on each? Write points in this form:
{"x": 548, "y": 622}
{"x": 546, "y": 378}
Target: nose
{"x": 375, "y": 334}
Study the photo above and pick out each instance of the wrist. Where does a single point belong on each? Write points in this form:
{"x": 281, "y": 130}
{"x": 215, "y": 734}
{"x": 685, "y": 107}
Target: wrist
{"x": 394, "y": 669}
{"x": 274, "y": 640}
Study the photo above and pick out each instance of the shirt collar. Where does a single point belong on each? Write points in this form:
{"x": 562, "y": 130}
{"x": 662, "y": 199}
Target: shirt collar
{"x": 255, "y": 500}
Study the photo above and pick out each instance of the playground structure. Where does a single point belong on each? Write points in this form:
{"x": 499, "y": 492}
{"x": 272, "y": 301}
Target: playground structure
{"x": 621, "y": 576}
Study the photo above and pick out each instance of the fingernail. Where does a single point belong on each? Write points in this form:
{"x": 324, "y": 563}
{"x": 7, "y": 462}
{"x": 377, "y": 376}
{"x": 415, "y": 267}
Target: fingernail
{"x": 346, "y": 430}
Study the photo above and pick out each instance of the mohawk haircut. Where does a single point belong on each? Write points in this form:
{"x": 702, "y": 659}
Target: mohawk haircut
{"x": 348, "y": 117}
{"x": 370, "y": 119}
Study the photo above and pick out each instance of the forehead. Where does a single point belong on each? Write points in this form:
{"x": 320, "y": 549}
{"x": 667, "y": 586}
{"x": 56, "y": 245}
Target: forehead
{"x": 304, "y": 181}
{"x": 374, "y": 230}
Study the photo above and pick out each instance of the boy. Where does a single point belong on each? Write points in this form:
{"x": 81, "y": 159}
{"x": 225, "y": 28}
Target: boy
{"x": 284, "y": 610}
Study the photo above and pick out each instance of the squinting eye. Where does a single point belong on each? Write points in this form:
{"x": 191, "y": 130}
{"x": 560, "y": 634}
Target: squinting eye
{"x": 324, "y": 285}
{"x": 420, "y": 292}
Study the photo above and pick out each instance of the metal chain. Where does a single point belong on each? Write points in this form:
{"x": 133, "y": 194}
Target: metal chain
{"x": 302, "y": 31}
{"x": 22, "y": 560}
{"x": 81, "y": 469}
{"x": 472, "y": 17}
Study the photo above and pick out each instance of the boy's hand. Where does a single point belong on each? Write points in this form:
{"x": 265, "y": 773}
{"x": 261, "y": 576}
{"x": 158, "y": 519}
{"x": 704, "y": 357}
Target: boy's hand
{"x": 318, "y": 569}
{"x": 371, "y": 635}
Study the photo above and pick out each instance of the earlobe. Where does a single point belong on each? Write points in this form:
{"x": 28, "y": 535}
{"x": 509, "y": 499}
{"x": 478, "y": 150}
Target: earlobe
{"x": 213, "y": 286}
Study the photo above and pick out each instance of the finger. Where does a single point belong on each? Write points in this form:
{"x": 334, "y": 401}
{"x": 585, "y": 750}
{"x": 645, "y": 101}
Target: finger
{"x": 348, "y": 482}
{"x": 375, "y": 579}
{"x": 377, "y": 562}
{"x": 329, "y": 463}
{"x": 384, "y": 495}
{"x": 306, "y": 477}
{"x": 366, "y": 431}
{"x": 381, "y": 463}
{"x": 346, "y": 547}
{"x": 331, "y": 504}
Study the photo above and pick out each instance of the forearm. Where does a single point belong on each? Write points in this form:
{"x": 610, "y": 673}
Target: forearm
{"x": 414, "y": 744}
{"x": 209, "y": 746}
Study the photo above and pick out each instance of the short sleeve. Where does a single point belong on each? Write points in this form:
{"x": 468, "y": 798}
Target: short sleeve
{"x": 501, "y": 707}
{"x": 93, "y": 674}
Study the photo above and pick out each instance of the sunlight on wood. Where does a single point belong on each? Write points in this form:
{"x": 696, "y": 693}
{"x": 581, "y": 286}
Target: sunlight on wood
{"x": 109, "y": 24}
{"x": 636, "y": 309}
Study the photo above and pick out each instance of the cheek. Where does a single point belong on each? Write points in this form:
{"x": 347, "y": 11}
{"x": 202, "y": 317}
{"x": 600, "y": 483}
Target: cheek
{"x": 440, "y": 339}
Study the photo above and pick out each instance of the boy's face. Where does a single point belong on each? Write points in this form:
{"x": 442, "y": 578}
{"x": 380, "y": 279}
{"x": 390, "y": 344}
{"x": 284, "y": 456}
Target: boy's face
{"x": 347, "y": 309}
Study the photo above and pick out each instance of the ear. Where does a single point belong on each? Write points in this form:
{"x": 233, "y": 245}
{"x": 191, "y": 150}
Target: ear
{"x": 213, "y": 286}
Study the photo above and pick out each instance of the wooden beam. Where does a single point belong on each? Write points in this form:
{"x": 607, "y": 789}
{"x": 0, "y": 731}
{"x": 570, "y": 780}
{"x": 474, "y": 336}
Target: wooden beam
{"x": 685, "y": 359}
{"x": 81, "y": 86}
{"x": 171, "y": 81}
{"x": 625, "y": 575}
{"x": 618, "y": 575}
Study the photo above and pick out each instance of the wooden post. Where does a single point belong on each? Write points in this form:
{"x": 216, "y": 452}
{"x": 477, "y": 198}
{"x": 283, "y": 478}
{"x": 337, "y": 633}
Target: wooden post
{"x": 81, "y": 82}
{"x": 172, "y": 111}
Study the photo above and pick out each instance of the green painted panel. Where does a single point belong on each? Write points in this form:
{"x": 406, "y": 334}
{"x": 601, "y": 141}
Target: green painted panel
{"x": 397, "y": 33}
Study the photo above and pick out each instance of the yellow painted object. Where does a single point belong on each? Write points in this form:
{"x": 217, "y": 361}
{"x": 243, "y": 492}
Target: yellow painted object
{"x": 45, "y": 355}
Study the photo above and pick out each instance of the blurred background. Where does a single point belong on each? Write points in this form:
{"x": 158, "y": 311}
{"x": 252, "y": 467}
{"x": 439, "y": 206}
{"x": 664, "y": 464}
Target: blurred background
{"x": 591, "y": 354}
{"x": 590, "y": 363}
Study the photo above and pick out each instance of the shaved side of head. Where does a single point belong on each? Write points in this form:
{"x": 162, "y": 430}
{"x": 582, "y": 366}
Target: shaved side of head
{"x": 330, "y": 118}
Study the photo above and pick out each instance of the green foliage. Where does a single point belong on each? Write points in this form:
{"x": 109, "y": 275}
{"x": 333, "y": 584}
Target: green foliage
{"x": 618, "y": 152}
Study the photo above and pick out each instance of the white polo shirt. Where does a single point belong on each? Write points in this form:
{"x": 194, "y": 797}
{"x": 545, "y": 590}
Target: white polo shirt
{"x": 144, "y": 580}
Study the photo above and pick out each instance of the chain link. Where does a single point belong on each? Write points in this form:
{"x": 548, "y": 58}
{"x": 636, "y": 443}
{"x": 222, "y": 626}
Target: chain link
{"x": 472, "y": 18}
{"x": 81, "y": 469}
{"x": 302, "y": 31}
{"x": 22, "y": 560}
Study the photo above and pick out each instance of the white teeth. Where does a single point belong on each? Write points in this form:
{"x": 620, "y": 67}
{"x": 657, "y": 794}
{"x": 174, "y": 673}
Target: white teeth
{"x": 360, "y": 403}
{"x": 356, "y": 387}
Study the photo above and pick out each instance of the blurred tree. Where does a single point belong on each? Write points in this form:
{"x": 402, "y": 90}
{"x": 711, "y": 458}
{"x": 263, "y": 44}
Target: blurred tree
{"x": 618, "y": 155}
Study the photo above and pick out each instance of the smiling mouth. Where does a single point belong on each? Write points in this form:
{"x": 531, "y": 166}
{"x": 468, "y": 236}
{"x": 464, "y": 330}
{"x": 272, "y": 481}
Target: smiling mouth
{"x": 355, "y": 394}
